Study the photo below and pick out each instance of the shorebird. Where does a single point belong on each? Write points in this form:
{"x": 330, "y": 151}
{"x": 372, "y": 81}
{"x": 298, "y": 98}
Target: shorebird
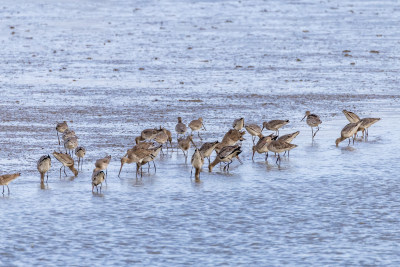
{"x": 312, "y": 121}
{"x": 227, "y": 154}
{"x": 60, "y": 128}
{"x": 288, "y": 138}
{"x": 67, "y": 134}
{"x": 352, "y": 117}
{"x": 134, "y": 157}
{"x": 143, "y": 145}
{"x": 274, "y": 125}
{"x": 207, "y": 148}
{"x": 254, "y": 130}
{"x": 102, "y": 164}
{"x": 197, "y": 163}
{"x": 278, "y": 146}
{"x": 168, "y": 132}
{"x": 150, "y": 158}
{"x": 262, "y": 146}
{"x": 43, "y": 166}
{"x": 366, "y": 123}
{"x": 80, "y": 152}
{"x": 7, "y": 178}
{"x": 348, "y": 131}
{"x": 66, "y": 161}
{"x": 98, "y": 177}
{"x": 180, "y": 128}
{"x": 70, "y": 144}
{"x": 161, "y": 137}
{"x": 184, "y": 144}
{"x": 230, "y": 138}
{"x": 146, "y": 135}
{"x": 238, "y": 124}
{"x": 196, "y": 125}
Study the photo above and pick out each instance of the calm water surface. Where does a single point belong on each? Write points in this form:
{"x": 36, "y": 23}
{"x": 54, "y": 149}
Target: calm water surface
{"x": 79, "y": 61}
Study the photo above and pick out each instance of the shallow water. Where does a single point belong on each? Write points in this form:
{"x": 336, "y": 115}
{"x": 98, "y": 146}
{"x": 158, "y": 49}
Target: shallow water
{"x": 220, "y": 60}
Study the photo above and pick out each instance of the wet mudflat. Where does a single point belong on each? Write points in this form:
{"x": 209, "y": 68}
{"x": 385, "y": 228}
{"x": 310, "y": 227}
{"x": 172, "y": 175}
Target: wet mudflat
{"x": 112, "y": 69}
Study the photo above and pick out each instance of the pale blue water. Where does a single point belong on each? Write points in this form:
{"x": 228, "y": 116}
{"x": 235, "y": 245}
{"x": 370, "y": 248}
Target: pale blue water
{"x": 324, "y": 206}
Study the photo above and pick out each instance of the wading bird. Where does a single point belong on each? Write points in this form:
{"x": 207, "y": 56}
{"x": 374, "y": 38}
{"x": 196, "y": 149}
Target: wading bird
{"x": 312, "y": 121}
{"x": 43, "y": 166}
{"x": 7, "y": 178}
{"x": 66, "y": 161}
{"x": 348, "y": 131}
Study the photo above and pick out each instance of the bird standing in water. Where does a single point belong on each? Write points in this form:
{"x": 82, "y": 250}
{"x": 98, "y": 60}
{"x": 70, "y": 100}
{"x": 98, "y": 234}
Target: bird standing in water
{"x": 7, "y": 178}
{"x": 197, "y": 163}
{"x": 312, "y": 121}
{"x": 43, "y": 166}
{"x": 61, "y": 127}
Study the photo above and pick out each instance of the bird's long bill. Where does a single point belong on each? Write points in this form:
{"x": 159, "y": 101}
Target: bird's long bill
{"x": 303, "y": 117}
{"x": 204, "y": 127}
{"x": 120, "y": 169}
{"x": 262, "y": 128}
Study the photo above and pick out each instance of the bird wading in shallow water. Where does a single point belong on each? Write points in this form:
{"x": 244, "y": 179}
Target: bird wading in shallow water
{"x": 279, "y": 146}
{"x": 7, "y": 178}
{"x": 274, "y": 125}
{"x": 197, "y": 163}
{"x": 348, "y": 131}
{"x": 254, "y": 130}
{"x": 66, "y": 161}
{"x": 312, "y": 121}
{"x": 43, "y": 166}
{"x": 61, "y": 127}
{"x": 226, "y": 154}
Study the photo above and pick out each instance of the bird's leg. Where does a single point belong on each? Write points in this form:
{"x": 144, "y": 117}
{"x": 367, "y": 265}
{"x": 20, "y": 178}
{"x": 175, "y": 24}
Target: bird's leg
{"x": 316, "y": 131}
{"x": 8, "y": 189}
{"x": 59, "y": 143}
{"x": 82, "y": 165}
{"x": 209, "y": 161}
{"x": 266, "y": 156}
{"x": 288, "y": 153}
{"x": 155, "y": 169}
{"x": 253, "y": 138}
{"x": 65, "y": 172}
{"x": 284, "y": 153}
{"x": 60, "y": 171}
{"x": 3, "y": 189}
{"x": 47, "y": 176}
{"x": 198, "y": 133}
{"x": 312, "y": 132}
{"x": 191, "y": 172}
{"x": 349, "y": 142}
{"x": 278, "y": 160}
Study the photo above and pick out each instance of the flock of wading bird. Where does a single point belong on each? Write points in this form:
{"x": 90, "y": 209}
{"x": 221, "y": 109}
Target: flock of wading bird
{"x": 151, "y": 141}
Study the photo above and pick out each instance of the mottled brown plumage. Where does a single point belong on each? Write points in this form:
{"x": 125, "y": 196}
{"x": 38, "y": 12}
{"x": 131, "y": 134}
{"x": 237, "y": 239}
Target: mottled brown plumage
{"x": 66, "y": 161}
{"x": 7, "y": 178}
